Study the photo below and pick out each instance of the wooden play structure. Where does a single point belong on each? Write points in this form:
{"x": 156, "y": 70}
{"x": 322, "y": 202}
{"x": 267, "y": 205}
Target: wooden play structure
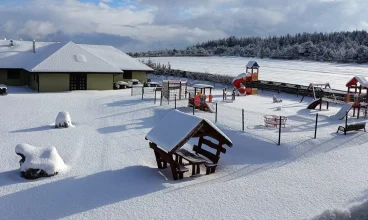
{"x": 243, "y": 82}
{"x": 182, "y": 127}
{"x": 355, "y": 96}
{"x": 200, "y": 99}
{"x": 172, "y": 88}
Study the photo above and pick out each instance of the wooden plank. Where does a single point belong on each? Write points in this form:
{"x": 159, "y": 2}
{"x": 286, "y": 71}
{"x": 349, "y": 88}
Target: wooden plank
{"x": 213, "y": 145}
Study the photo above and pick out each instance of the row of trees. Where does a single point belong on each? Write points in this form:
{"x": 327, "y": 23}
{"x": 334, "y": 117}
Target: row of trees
{"x": 343, "y": 47}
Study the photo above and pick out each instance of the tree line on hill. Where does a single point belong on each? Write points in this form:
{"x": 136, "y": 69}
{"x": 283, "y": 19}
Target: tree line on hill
{"x": 344, "y": 47}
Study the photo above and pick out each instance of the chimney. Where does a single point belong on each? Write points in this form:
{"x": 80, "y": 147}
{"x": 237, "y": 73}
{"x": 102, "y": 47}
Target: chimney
{"x": 34, "y": 46}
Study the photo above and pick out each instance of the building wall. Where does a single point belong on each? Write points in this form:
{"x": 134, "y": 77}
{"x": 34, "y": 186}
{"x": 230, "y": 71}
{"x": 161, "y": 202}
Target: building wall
{"x": 54, "y": 82}
{"x": 24, "y": 79}
{"x": 140, "y": 75}
{"x": 100, "y": 81}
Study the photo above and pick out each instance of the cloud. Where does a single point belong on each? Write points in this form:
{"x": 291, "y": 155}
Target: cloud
{"x": 157, "y": 24}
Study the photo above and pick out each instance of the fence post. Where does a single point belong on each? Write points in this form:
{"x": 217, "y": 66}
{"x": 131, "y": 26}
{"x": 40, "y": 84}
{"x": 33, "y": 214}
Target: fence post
{"x": 142, "y": 91}
{"x": 315, "y": 129}
{"x": 131, "y": 91}
{"x": 175, "y": 100}
{"x": 346, "y": 121}
{"x": 279, "y": 132}
{"x": 193, "y": 105}
{"x": 243, "y": 119}
{"x": 161, "y": 99}
{"x": 216, "y": 114}
{"x": 154, "y": 102}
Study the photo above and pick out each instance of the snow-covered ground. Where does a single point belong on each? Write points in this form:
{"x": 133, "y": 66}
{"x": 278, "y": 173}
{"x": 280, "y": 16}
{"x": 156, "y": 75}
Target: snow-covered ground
{"x": 112, "y": 173}
{"x": 298, "y": 72}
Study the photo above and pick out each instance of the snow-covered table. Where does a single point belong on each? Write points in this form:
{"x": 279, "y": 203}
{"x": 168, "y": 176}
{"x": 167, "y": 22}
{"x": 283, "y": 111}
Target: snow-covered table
{"x": 275, "y": 120}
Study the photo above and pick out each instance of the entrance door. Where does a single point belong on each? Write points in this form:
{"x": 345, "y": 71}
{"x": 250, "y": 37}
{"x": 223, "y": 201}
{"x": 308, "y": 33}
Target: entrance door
{"x": 78, "y": 81}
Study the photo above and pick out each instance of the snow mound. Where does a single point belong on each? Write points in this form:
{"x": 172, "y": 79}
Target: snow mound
{"x": 63, "y": 120}
{"x": 356, "y": 212}
{"x": 39, "y": 162}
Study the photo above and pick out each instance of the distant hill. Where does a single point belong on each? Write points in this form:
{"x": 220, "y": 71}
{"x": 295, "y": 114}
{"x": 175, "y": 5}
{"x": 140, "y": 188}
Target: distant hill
{"x": 345, "y": 47}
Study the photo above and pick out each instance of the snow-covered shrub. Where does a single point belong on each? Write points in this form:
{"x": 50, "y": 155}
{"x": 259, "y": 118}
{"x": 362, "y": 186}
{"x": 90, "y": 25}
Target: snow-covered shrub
{"x": 39, "y": 162}
{"x": 63, "y": 120}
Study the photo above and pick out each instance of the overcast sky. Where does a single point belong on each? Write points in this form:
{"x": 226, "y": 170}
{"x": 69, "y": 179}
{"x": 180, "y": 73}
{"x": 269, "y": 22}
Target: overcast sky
{"x": 140, "y": 25}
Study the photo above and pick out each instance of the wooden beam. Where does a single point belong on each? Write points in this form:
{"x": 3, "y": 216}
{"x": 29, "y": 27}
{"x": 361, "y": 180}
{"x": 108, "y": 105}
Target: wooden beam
{"x": 214, "y": 146}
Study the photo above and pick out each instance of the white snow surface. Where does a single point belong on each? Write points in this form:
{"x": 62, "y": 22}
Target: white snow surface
{"x": 63, "y": 118}
{"x": 113, "y": 172}
{"x": 46, "y": 158}
{"x": 297, "y": 72}
{"x": 171, "y": 130}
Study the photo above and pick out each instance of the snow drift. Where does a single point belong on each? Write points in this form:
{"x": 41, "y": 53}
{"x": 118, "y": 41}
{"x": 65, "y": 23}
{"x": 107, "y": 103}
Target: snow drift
{"x": 39, "y": 162}
{"x": 356, "y": 212}
{"x": 63, "y": 120}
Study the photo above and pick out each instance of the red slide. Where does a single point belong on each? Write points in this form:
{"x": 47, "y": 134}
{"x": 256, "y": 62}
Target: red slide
{"x": 238, "y": 83}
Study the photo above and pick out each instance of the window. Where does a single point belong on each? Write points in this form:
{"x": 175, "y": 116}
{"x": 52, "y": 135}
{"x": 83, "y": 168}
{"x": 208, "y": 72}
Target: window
{"x": 13, "y": 74}
{"x": 127, "y": 75}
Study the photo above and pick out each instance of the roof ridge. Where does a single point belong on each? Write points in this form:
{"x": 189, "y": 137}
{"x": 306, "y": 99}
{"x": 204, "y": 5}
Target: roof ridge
{"x": 97, "y": 57}
{"x": 43, "y": 60}
{"x": 34, "y": 66}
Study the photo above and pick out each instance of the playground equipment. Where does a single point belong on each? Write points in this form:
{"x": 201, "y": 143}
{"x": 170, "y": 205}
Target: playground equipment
{"x": 199, "y": 98}
{"x": 241, "y": 79}
{"x": 170, "y": 88}
{"x": 357, "y": 84}
{"x": 276, "y": 100}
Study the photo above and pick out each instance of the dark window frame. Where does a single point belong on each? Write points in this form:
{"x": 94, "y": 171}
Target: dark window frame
{"x": 128, "y": 74}
{"x": 13, "y": 74}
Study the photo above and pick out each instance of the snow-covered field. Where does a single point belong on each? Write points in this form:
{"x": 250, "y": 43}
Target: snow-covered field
{"x": 298, "y": 72}
{"x": 112, "y": 173}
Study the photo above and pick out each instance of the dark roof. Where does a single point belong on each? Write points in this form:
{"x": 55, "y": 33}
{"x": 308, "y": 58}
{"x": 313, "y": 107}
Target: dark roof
{"x": 252, "y": 64}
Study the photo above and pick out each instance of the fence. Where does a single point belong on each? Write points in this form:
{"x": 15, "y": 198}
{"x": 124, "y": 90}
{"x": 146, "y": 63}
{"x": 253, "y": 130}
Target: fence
{"x": 274, "y": 129}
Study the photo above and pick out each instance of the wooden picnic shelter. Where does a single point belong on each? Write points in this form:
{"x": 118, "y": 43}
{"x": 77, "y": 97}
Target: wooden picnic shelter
{"x": 169, "y": 136}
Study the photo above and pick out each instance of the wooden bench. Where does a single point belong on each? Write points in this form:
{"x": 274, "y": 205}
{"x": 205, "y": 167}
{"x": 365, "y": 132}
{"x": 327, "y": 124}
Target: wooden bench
{"x": 351, "y": 127}
{"x": 181, "y": 169}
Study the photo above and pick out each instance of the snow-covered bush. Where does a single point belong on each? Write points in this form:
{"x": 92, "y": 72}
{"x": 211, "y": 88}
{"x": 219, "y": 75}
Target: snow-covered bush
{"x": 63, "y": 120}
{"x": 39, "y": 162}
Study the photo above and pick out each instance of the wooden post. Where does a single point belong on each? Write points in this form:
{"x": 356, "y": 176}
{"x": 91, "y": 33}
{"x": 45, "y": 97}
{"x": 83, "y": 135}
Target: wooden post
{"x": 243, "y": 119}
{"x": 131, "y": 91}
{"x": 154, "y": 102}
{"x": 175, "y": 101}
{"x": 279, "y": 132}
{"x": 161, "y": 99}
{"x": 142, "y": 91}
{"x": 216, "y": 114}
{"x": 193, "y": 105}
{"x": 315, "y": 129}
{"x": 179, "y": 93}
{"x": 346, "y": 121}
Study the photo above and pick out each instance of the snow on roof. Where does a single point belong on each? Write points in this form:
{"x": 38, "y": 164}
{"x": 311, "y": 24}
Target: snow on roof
{"x": 175, "y": 127}
{"x": 202, "y": 86}
{"x": 21, "y": 55}
{"x": 116, "y": 57}
{"x": 252, "y": 64}
{"x": 68, "y": 59}
{"x": 358, "y": 79}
